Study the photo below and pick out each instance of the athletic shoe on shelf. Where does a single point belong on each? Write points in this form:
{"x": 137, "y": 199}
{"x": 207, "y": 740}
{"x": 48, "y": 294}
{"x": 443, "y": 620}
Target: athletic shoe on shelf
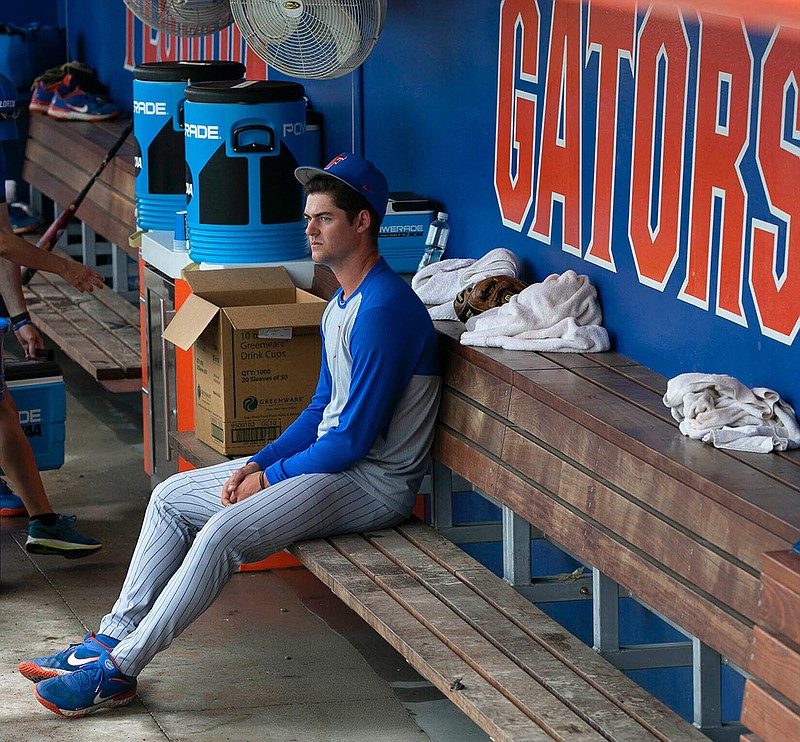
{"x": 11, "y": 506}
{"x": 68, "y": 660}
{"x": 70, "y": 102}
{"x": 60, "y": 539}
{"x": 45, "y": 85}
{"x": 95, "y": 686}
{"x": 42, "y": 95}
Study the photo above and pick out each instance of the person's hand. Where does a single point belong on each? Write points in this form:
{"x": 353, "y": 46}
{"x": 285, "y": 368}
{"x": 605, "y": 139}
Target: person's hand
{"x": 81, "y": 276}
{"x": 242, "y": 483}
{"x": 30, "y": 340}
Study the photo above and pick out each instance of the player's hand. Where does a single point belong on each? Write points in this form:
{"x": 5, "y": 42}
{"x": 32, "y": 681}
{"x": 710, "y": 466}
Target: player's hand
{"x": 30, "y": 340}
{"x": 241, "y": 484}
{"x": 81, "y": 276}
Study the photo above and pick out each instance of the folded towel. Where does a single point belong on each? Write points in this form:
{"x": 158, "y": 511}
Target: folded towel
{"x": 721, "y": 411}
{"x": 438, "y": 283}
{"x": 560, "y": 314}
{"x": 497, "y": 262}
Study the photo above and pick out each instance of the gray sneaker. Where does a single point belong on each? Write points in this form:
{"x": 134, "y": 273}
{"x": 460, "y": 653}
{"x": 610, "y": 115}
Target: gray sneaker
{"x": 60, "y": 539}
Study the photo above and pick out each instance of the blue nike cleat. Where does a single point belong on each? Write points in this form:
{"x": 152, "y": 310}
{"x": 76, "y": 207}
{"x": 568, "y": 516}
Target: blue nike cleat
{"x": 74, "y": 657}
{"x": 95, "y": 686}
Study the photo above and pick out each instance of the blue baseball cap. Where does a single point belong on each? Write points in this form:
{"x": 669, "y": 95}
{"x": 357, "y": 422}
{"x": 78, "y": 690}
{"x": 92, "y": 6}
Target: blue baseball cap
{"x": 360, "y": 174}
{"x": 8, "y": 109}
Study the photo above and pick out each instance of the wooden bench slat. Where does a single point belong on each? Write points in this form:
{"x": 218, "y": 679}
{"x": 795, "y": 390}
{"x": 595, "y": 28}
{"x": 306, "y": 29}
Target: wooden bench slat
{"x": 539, "y": 703}
{"x": 667, "y": 544}
{"x": 776, "y": 663}
{"x": 438, "y": 664}
{"x": 90, "y": 332}
{"x": 104, "y": 192}
{"x": 485, "y": 431}
{"x": 767, "y": 716}
{"x": 56, "y": 293}
{"x": 676, "y": 502}
{"x": 485, "y": 389}
{"x": 779, "y": 609}
{"x": 537, "y": 652}
{"x": 767, "y": 502}
{"x": 100, "y": 220}
{"x": 783, "y": 567}
{"x": 782, "y": 469}
{"x": 677, "y": 599}
{"x": 583, "y": 660}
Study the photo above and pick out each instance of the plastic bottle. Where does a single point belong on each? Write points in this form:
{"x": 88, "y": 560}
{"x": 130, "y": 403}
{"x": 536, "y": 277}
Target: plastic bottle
{"x": 436, "y": 241}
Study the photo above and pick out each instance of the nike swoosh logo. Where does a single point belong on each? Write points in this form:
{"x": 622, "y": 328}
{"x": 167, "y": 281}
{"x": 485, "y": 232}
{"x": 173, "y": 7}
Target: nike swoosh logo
{"x": 99, "y": 697}
{"x": 79, "y": 109}
{"x": 74, "y": 661}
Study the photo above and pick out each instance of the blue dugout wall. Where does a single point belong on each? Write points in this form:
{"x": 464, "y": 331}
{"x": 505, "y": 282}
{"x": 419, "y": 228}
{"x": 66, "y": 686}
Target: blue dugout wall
{"x": 657, "y": 152}
{"x": 680, "y": 211}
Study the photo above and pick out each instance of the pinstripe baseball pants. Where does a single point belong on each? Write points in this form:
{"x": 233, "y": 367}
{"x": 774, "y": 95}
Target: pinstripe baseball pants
{"x": 190, "y": 545}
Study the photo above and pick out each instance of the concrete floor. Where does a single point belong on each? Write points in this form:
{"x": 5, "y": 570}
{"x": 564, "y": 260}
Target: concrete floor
{"x": 277, "y": 657}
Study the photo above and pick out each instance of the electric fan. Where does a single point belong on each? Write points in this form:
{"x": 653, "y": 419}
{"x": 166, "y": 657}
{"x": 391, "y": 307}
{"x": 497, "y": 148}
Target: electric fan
{"x": 183, "y": 17}
{"x": 311, "y": 38}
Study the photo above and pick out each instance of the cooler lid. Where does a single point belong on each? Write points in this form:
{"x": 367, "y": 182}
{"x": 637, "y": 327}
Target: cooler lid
{"x": 185, "y": 71}
{"x": 246, "y": 91}
{"x": 22, "y": 370}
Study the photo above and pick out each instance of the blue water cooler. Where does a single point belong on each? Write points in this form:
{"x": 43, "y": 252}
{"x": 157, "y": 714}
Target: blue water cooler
{"x": 158, "y": 100}
{"x": 243, "y": 142}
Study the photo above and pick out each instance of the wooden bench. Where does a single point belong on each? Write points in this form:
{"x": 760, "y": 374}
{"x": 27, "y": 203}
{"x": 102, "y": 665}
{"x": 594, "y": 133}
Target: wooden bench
{"x": 512, "y": 669}
{"x": 771, "y": 706}
{"x": 582, "y": 448}
{"x": 101, "y": 331}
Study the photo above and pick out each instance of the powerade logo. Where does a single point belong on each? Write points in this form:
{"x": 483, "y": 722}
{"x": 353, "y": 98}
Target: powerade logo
{"x": 150, "y": 108}
{"x": 402, "y": 230}
{"x": 202, "y": 131}
{"x": 295, "y": 129}
{"x": 250, "y": 404}
{"x": 31, "y": 422}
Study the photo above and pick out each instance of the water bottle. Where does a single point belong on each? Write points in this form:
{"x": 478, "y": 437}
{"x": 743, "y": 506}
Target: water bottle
{"x": 436, "y": 241}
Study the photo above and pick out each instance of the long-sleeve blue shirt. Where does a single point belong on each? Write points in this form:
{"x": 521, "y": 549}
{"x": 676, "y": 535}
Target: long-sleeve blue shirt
{"x": 374, "y": 410}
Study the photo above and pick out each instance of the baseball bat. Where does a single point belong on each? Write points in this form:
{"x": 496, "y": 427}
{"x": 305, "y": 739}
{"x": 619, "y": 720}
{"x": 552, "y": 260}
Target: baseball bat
{"x": 53, "y": 232}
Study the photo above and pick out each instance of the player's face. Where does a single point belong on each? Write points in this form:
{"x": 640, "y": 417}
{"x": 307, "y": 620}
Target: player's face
{"x": 330, "y": 233}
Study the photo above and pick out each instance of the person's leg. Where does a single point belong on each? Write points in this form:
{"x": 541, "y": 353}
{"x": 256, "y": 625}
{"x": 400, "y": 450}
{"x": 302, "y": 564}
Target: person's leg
{"x": 17, "y": 460}
{"x": 179, "y": 507}
{"x": 295, "y": 509}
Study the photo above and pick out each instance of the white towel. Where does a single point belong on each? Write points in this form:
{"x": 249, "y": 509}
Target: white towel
{"x": 438, "y": 283}
{"x": 721, "y": 411}
{"x": 497, "y": 262}
{"x": 560, "y": 314}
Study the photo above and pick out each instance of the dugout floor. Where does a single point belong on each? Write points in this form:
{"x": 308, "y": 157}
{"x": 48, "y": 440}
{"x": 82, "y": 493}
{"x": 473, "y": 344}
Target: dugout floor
{"x": 276, "y": 658}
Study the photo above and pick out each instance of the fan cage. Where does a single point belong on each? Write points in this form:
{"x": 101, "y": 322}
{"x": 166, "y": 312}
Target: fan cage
{"x": 185, "y": 18}
{"x": 320, "y": 39}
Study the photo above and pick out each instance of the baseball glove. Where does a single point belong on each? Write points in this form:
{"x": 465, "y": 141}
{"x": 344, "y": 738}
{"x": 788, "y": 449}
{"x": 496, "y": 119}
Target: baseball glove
{"x": 485, "y": 294}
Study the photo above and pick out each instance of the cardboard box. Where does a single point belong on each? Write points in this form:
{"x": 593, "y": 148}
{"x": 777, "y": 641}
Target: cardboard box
{"x": 257, "y": 352}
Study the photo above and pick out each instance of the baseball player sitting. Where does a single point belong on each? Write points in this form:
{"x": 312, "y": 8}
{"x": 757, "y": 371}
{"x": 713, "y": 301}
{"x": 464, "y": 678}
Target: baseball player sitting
{"x": 352, "y": 461}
